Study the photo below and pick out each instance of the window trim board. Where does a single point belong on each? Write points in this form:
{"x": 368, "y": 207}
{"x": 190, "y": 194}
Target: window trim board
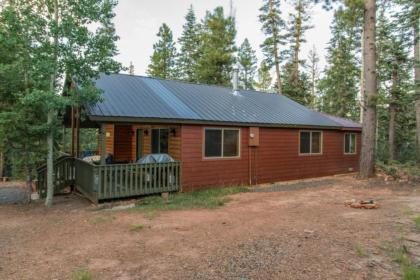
{"x": 355, "y": 144}
{"x": 203, "y": 152}
{"x": 310, "y": 143}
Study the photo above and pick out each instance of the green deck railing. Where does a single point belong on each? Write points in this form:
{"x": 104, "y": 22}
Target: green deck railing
{"x": 99, "y": 182}
{"x": 64, "y": 174}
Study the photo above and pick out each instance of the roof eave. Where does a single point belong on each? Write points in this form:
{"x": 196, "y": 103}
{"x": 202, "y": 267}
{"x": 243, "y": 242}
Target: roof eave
{"x": 125, "y": 119}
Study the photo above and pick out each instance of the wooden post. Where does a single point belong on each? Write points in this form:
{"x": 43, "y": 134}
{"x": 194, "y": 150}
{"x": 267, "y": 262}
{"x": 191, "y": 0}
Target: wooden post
{"x": 72, "y": 132}
{"x": 1, "y": 163}
{"x": 77, "y": 132}
{"x": 103, "y": 141}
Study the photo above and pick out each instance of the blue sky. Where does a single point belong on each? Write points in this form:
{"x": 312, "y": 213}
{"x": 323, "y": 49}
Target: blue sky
{"x": 138, "y": 21}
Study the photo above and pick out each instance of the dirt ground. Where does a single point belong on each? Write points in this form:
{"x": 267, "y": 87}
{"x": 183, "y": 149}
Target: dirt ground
{"x": 304, "y": 233}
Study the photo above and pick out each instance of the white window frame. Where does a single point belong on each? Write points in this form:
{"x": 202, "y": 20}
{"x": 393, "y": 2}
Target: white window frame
{"x": 310, "y": 143}
{"x": 355, "y": 143}
{"x": 222, "y": 156}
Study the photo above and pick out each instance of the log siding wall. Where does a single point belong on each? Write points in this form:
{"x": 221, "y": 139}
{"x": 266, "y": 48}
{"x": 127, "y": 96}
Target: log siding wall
{"x": 121, "y": 141}
{"x": 109, "y": 142}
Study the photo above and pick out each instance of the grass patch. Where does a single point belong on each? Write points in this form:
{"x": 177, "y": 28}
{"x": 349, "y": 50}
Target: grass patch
{"x": 100, "y": 219}
{"x": 360, "y": 251}
{"x": 211, "y": 198}
{"x": 417, "y": 222}
{"x": 151, "y": 214}
{"x": 400, "y": 255}
{"x": 137, "y": 227}
{"x": 410, "y": 272}
{"x": 82, "y": 274}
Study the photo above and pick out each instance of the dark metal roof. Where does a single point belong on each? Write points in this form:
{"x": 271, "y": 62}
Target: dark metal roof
{"x": 128, "y": 96}
{"x": 343, "y": 122}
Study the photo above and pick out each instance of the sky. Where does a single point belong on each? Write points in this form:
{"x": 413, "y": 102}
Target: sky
{"x": 137, "y": 23}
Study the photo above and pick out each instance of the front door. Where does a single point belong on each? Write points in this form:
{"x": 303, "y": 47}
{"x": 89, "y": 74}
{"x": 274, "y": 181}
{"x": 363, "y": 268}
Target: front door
{"x": 139, "y": 143}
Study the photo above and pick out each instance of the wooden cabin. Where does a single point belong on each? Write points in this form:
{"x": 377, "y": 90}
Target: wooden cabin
{"x": 218, "y": 136}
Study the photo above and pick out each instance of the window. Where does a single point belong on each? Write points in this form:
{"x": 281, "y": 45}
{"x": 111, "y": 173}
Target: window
{"x": 310, "y": 142}
{"x": 160, "y": 141}
{"x": 349, "y": 143}
{"x": 221, "y": 142}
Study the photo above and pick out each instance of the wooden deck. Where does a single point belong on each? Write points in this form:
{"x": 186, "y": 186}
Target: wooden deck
{"x": 99, "y": 182}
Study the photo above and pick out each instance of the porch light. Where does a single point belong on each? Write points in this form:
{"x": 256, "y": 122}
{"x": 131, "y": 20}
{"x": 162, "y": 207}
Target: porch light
{"x": 146, "y": 132}
{"x": 130, "y": 133}
{"x": 173, "y": 132}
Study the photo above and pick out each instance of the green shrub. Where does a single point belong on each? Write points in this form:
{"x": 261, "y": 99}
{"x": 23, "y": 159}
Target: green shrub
{"x": 137, "y": 227}
{"x": 417, "y": 222}
{"x": 398, "y": 170}
{"x": 100, "y": 219}
{"x": 360, "y": 251}
{"x": 82, "y": 274}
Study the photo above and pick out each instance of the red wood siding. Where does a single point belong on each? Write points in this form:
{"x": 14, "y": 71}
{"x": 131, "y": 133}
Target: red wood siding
{"x": 198, "y": 172}
{"x": 276, "y": 158}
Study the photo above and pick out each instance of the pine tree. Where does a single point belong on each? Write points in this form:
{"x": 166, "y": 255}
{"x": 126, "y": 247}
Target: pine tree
{"x": 189, "y": 48}
{"x": 370, "y": 95}
{"x": 300, "y": 92}
{"x": 409, "y": 17}
{"x": 396, "y": 119}
{"x": 248, "y": 62}
{"x": 264, "y": 78}
{"x": 272, "y": 25}
{"x": 216, "y": 56}
{"x": 162, "y": 61}
{"x": 298, "y": 25}
{"x": 339, "y": 86}
{"x": 313, "y": 71}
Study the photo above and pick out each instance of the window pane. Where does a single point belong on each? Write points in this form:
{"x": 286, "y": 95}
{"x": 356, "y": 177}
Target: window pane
{"x": 163, "y": 141}
{"x": 347, "y": 143}
{"x": 155, "y": 141}
{"x": 352, "y": 143}
{"x": 230, "y": 143}
{"x": 316, "y": 142}
{"x": 213, "y": 143}
{"x": 305, "y": 142}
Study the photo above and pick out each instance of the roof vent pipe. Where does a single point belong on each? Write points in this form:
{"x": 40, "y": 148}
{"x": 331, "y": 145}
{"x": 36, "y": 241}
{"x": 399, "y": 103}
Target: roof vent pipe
{"x": 235, "y": 80}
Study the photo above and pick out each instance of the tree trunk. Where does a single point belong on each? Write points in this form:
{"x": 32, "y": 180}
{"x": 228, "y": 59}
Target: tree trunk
{"x": 391, "y": 132}
{"x": 296, "y": 49}
{"x": 50, "y": 119}
{"x": 393, "y": 112}
{"x": 366, "y": 164}
{"x": 362, "y": 83}
{"x": 1, "y": 164}
{"x": 418, "y": 128}
{"x": 417, "y": 75}
{"x": 276, "y": 53}
{"x": 50, "y": 161}
{"x": 29, "y": 182}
